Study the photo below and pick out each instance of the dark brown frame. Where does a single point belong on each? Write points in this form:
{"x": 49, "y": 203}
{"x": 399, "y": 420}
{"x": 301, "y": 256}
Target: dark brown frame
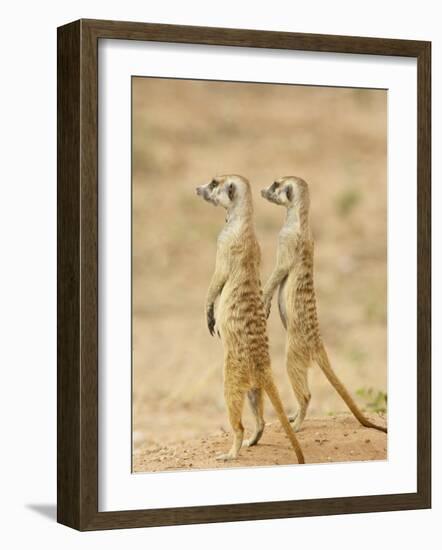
{"x": 77, "y": 225}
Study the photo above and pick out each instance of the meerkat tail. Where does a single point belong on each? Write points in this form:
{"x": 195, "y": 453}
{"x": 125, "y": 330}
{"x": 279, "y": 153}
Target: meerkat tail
{"x": 322, "y": 360}
{"x": 272, "y": 391}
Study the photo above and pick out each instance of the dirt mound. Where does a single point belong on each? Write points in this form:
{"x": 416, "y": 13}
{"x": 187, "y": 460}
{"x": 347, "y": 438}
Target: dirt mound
{"x": 331, "y": 439}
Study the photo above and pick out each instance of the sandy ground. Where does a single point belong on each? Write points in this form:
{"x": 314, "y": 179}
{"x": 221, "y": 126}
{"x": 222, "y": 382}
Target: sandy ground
{"x": 184, "y": 132}
{"x": 323, "y": 440}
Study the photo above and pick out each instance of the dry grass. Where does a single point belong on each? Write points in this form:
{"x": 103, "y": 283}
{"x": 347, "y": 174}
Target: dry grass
{"x": 183, "y": 133}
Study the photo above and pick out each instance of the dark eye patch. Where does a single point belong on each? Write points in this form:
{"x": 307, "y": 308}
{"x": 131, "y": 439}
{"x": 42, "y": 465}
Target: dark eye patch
{"x": 231, "y": 191}
{"x": 213, "y": 184}
{"x": 274, "y": 186}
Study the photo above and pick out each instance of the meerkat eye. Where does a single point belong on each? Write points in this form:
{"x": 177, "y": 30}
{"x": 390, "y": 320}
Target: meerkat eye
{"x": 274, "y": 186}
{"x": 213, "y": 184}
{"x": 231, "y": 191}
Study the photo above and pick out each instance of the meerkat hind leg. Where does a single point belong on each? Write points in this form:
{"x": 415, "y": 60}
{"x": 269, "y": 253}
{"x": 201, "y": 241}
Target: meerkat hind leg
{"x": 297, "y": 369}
{"x": 256, "y": 401}
{"x": 235, "y": 403}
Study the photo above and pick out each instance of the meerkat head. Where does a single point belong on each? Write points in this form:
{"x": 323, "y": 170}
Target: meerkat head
{"x": 287, "y": 191}
{"x": 226, "y": 191}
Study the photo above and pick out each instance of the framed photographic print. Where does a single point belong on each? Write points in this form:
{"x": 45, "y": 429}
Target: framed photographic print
{"x": 269, "y": 357}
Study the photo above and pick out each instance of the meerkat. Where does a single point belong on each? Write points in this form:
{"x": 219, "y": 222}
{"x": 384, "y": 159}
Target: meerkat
{"x": 240, "y": 318}
{"x": 293, "y": 274}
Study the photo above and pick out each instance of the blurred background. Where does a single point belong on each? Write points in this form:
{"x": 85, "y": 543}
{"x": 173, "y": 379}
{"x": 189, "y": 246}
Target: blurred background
{"x": 185, "y": 132}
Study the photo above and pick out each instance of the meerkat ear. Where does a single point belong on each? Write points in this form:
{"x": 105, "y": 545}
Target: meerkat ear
{"x": 231, "y": 191}
{"x": 289, "y": 192}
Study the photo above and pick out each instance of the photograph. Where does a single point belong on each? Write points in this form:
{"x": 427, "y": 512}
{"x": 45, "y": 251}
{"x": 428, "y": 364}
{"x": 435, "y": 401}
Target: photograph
{"x": 259, "y": 274}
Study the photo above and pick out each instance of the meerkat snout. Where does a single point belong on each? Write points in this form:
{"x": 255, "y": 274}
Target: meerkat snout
{"x": 279, "y": 192}
{"x": 286, "y": 191}
{"x": 225, "y": 191}
{"x": 207, "y": 192}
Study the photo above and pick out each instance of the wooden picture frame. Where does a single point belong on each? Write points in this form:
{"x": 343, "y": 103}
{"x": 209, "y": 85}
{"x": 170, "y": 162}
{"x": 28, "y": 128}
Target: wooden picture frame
{"x": 77, "y": 226}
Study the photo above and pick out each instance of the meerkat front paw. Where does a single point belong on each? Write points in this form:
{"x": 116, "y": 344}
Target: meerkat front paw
{"x": 211, "y": 319}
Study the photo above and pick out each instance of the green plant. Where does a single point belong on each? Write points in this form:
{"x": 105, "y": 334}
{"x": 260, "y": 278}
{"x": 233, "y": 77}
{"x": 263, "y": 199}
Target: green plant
{"x": 346, "y": 201}
{"x": 375, "y": 310}
{"x": 375, "y": 401}
{"x": 357, "y": 356}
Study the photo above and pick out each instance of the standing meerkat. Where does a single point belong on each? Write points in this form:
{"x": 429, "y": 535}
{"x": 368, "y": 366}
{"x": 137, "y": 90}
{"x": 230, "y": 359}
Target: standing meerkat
{"x": 240, "y": 317}
{"x": 293, "y": 274}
